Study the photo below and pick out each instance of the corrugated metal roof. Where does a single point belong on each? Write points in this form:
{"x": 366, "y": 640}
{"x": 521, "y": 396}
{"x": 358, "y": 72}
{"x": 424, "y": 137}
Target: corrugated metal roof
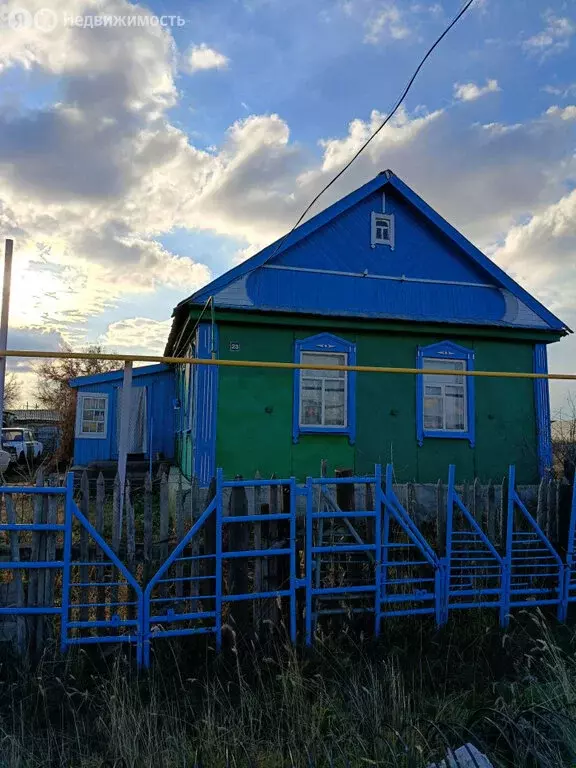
{"x": 329, "y": 266}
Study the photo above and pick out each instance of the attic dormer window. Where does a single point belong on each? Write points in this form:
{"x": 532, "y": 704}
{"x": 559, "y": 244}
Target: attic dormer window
{"x": 383, "y": 229}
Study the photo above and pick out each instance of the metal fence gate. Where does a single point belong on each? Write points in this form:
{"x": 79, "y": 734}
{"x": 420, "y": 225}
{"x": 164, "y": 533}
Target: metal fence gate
{"x": 367, "y": 561}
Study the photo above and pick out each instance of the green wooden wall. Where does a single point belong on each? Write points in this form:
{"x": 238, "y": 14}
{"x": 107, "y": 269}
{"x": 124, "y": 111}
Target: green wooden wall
{"x": 255, "y": 409}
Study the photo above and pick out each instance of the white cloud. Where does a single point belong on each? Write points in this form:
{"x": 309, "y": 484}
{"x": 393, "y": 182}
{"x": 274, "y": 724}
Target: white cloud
{"x": 564, "y": 113}
{"x": 554, "y": 38}
{"x": 564, "y": 92}
{"x": 386, "y": 22}
{"x": 201, "y": 57}
{"x": 137, "y": 333}
{"x": 541, "y": 254}
{"x": 471, "y": 91}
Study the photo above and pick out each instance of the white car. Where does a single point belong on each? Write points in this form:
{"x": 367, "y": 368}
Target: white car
{"x": 20, "y": 444}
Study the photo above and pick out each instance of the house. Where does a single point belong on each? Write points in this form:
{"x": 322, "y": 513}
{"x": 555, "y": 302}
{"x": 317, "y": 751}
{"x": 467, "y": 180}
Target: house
{"x": 151, "y": 425}
{"x": 377, "y": 279}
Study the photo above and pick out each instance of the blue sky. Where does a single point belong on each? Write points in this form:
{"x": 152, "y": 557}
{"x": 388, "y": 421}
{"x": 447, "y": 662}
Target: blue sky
{"x": 138, "y": 162}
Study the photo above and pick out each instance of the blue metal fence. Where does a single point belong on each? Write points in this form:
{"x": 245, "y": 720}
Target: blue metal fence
{"x": 373, "y": 563}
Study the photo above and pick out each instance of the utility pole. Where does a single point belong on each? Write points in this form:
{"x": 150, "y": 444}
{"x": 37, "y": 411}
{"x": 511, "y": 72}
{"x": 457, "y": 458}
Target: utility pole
{"x": 8, "y": 249}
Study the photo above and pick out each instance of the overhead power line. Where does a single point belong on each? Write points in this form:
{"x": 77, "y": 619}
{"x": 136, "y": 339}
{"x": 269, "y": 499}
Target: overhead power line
{"x": 386, "y": 120}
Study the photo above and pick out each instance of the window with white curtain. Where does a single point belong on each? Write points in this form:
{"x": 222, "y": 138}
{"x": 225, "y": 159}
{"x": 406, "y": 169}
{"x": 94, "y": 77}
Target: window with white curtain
{"x": 445, "y": 406}
{"x": 323, "y": 393}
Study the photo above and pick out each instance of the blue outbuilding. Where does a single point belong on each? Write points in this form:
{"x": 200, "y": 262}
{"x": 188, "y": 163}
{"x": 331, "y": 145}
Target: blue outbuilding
{"x": 152, "y": 422}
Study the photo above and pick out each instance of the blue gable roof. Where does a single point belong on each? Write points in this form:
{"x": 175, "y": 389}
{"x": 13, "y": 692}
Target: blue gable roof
{"x": 328, "y": 266}
{"x": 118, "y": 375}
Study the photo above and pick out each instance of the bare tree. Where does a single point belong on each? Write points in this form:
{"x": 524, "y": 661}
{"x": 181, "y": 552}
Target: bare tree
{"x": 564, "y": 436}
{"x": 55, "y": 392}
{"x": 12, "y": 390}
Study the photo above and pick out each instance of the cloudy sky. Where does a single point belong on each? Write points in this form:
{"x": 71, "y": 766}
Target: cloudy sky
{"x": 138, "y": 161}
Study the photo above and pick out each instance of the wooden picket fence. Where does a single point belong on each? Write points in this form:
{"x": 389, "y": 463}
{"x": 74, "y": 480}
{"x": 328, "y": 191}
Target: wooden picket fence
{"x": 157, "y": 513}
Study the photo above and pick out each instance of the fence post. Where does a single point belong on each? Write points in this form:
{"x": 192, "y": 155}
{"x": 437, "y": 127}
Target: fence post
{"x": 541, "y": 507}
{"x": 565, "y": 492}
{"x": 34, "y": 626}
{"x": 116, "y": 532}
{"x": 238, "y": 541}
{"x": 84, "y": 571}
{"x": 270, "y": 563}
{"x": 209, "y": 563}
{"x": 491, "y": 513}
{"x": 179, "y": 514}
{"x": 164, "y": 526}
{"x": 147, "y": 544}
{"x": 130, "y": 543}
{"x": 51, "y": 554}
{"x": 100, "y": 500}
{"x": 440, "y": 518}
{"x": 164, "y": 518}
{"x": 258, "y": 560}
{"x": 195, "y": 543}
{"x": 551, "y": 499}
{"x": 17, "y": 575}
{"x": 476, "y": 502}
{"x": 503, "y": 513}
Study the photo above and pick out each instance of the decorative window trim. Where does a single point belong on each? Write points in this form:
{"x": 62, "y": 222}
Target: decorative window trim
{"x": 446, "y": 350}
{"x": 79, "y": 416}
{"x": 328, "y": 343}
{"x": 377, "y": 241}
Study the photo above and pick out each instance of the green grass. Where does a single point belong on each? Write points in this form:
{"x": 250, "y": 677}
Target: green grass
{"x": 401, "y": 701}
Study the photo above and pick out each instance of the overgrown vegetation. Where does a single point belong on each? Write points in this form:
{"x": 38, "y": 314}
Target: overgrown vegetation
{"x": 402, "y": 701}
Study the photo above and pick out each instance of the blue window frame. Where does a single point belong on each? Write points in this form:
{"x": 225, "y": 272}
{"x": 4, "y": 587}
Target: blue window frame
{"x": 445, "y": 404}
{"x": 324, "y": 401}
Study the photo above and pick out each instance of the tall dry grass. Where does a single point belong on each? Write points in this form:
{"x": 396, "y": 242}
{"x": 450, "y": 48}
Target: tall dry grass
{"x": 400, "y": 702}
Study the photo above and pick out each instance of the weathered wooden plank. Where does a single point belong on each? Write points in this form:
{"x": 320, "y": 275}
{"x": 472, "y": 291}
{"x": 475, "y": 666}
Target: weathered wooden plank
{"x": 503, "y": 513}
{"x": 130, "y": 543}
{"x": 51, "y": 553}
{"x": 164, "y": 518}
{"x": 164, "y": 527}
{"x": 257, "y": 510}
{"x": 209, "y": 563}
{"x": 440, "y": 517}
{"x": 41, "y": 623}
{"x": 130, "y": 528}
{"x": 84, "y": 551}
{"x": 17, "y": 575}
{"x": 34, "y": 555}
{"x": 116, "y": 532}
{"x": 147, "y": 544}
{"x": 99, "y": 525}
{"x": 238, "y": 541}
{"x": 195, "y": 543}
{"x": 369, "y": 500}
{"x": 477, "y": 501}
{"x": 179, "y": 514}
{"x": 411, "y": 500}
{"x": 491, "y": 512}
{"x": 271, "y": 563}
{"x": 541, "y": 506}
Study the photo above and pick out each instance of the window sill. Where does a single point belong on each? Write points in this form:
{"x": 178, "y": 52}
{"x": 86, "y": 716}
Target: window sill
{"x": 343, "y": 431}
{"x": 446, "y": 436}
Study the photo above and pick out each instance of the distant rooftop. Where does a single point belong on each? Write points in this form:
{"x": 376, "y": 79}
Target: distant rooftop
{"x": 33, "y": 415}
